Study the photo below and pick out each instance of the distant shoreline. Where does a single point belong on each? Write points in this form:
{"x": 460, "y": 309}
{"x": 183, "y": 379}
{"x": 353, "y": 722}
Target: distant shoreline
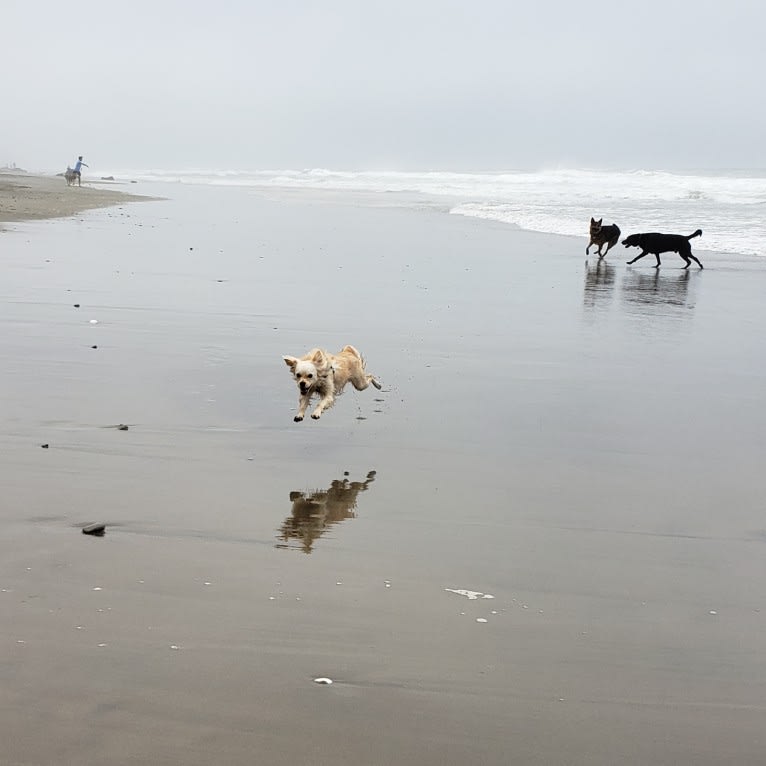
{"x": 556, "y": 201}
{"x": 28, "y": 197}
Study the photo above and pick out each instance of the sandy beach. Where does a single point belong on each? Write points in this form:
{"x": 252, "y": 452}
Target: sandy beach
{"x": 26, "y": 197}
{"x": 559, "y": 557}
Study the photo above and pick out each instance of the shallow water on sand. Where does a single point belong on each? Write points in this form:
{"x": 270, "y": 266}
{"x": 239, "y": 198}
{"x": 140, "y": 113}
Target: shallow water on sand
{"x": 582, "y": 442}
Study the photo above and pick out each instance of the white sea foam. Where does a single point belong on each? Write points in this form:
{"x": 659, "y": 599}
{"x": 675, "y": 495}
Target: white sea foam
{"x": 730, "y": 207}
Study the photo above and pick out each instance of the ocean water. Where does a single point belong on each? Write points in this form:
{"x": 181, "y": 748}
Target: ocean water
{"x": 729, "y": 206}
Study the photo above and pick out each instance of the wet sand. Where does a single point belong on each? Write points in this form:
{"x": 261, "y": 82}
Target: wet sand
{"x": 27, "y": 197}
{"x": 583, "y": 443}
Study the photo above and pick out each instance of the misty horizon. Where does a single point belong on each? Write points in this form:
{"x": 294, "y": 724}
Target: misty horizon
{"x": 424, "y": 86}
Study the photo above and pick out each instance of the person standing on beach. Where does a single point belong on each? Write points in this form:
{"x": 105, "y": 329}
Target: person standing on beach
{"x": 77, "y": 167}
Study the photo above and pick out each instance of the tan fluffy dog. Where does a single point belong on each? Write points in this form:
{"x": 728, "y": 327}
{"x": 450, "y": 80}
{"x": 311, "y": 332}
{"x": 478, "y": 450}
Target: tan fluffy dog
{"x": 324, "y": 374}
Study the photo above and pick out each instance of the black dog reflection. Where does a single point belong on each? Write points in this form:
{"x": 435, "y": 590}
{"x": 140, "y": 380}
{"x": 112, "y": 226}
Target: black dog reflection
{"x": 313, "y": 513}
{"x": 656, "y": 289}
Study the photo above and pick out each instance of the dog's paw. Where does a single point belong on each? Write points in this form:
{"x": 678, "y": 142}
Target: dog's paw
{"x": 376, "y": 383}
{"x": 314, "y": 416}
{"x": 298, "y": 418}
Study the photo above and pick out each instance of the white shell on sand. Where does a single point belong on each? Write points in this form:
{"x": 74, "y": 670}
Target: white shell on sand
{"x": 325, "y": 681}
{"x": 469, "y": 594}
{"x": 94, "y": 321}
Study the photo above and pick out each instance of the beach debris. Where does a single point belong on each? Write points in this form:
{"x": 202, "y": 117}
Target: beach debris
{"x": 93, "y": 321}
{"x": 174, "y": 646}
{"x": 323, "y": 681}
{"x": 122, "y": 427}
{"x": 471, "y": 595}
{"x": 481, "y": 619}
{"x": 94, "y": 346}
{"x": 77, "y": 305}
{"x": 45, "y": 446}
{"x": 98, "y": 529}
{"x": 712, "y": 611}
{"x": 96, "y": 588}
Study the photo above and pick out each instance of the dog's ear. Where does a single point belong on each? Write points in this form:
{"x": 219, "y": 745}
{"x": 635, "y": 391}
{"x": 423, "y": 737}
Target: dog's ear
{"x": 290, "y": 361}
{"x": 593, "y": 220}
{"x": 294, "y": 495}
{"x": 319, "y": 359}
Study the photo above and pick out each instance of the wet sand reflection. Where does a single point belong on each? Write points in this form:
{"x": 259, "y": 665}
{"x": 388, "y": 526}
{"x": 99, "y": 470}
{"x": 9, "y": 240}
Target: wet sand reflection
{"x": 646, "y": 293}
{"x": 657, "y": 289}
{"x": 599, "y": 283}
{"x": 313, "y": 513}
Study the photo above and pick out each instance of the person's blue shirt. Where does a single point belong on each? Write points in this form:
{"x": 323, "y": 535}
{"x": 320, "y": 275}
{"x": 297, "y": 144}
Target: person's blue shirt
{"x": 78, "y": 165}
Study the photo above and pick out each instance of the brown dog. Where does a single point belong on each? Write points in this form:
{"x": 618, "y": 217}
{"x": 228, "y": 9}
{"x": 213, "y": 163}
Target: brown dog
{"x": 602, "y": 235}
{"x": 325, "y": 375}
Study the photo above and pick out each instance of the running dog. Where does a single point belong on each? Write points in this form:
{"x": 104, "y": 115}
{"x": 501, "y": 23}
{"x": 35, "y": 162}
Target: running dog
{"x": 655, "y": 244}
{"x": 325, "y": 375}
{"x": 602, "y": 235}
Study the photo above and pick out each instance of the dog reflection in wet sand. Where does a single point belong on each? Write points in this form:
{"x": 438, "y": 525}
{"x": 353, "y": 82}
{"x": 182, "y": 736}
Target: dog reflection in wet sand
{"x": 313, "y": 513}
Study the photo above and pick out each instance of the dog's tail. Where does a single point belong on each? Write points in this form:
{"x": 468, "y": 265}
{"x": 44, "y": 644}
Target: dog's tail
{"x": 697, "y": 233}
{"x": 352, "y": 350}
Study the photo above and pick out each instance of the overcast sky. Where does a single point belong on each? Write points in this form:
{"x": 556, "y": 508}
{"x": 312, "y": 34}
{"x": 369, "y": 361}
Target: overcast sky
{"x": 358, "y": 84}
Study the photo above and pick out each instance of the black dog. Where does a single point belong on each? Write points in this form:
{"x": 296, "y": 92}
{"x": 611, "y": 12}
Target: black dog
{"x": 663, "y": 243}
